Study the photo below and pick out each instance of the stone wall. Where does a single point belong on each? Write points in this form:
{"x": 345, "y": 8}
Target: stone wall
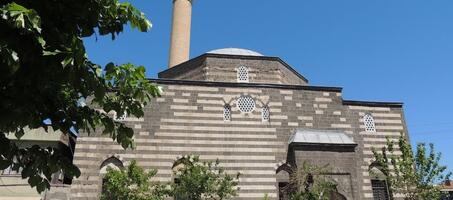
{"x": 223, "y": 68}
{"x": 342, "y": 167}
{"x": 188, "y": 119}
{"x": 260, "y": 71}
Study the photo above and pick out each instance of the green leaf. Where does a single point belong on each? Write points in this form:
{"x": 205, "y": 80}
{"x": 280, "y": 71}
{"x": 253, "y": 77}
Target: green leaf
{"x": 34, "y": 180}
{"x": 14, "y": 56}
{"x": 99, "y": 92}
{"x": 15, "y": 7}
{"x": 67, "y": 61}
{"x": 19, "y": 133}
{"x": 4, "y": 164}
{"x": 51, "y": 53}
{"x": 43, "y": 41}
{"x": 22, "y": 18}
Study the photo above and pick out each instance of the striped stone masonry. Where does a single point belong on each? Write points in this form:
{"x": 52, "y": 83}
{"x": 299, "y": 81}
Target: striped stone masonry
{"x": 188, "y": 119}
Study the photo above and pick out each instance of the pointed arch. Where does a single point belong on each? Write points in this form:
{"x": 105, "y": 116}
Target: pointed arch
{"x": 283, "y": 173}
{"x": 226, "y": 112}
{"x": 379, "y": 183}
{"x": 243, "y": 74}
{"x": 368, "y": 121}
{"x": 109, "y": 162}
{"x": 265, "y": 114}
{"x": 284, "y": 167}
{"x": 376, "y": 172}
{"x": 179, "y": 161}
{"x": 112, "y": 162}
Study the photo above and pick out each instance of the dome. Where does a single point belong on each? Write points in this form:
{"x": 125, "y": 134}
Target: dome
{"x": 236, "y": 51}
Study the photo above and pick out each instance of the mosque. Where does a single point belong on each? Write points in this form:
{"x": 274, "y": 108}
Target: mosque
{"x": 254, "y": 113}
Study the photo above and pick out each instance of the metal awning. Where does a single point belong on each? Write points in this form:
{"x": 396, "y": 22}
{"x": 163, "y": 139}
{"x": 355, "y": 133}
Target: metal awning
{"x": 307, "y": 136}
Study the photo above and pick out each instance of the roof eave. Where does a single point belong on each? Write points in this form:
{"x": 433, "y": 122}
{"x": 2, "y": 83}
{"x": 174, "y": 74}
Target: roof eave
{"x": 373, "y": 104}
{"x": 245, "y": 85}
{"x": 323, "y": 144}
{"x": 212, "y": 55}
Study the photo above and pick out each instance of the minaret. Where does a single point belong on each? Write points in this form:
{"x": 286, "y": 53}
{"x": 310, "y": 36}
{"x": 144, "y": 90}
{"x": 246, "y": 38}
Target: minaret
{"x": 180, "y": 32}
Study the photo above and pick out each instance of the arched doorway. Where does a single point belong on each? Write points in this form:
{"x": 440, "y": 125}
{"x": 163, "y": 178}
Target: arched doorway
{"x": 283, "y": 175}
{"x": 112, "y": 163}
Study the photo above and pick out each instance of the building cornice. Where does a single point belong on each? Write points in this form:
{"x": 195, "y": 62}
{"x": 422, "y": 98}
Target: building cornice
{"x": 245, "y": 85}
{"x": 277, "y": 86}
{"x": 373, "y": 104}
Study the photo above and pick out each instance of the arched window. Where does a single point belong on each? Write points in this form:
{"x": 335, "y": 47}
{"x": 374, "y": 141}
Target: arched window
{"x": 226, "y": 113}
{"x": 379, "y": 184}
{"x": 265, "y": 115}
{"x": 380, "y": 189}
{"x": 368, "y": 121}
{"x": 243, "y": 74}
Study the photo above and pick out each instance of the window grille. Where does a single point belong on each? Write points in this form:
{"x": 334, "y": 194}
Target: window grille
{"x": 226, "y": 113}
{"x": 368, "y": 120}
{"x": 246, "y": 104}
{"x": 265, "y": 114}
{"x": 243, "y": 74}
{"x": 380, "y": 190}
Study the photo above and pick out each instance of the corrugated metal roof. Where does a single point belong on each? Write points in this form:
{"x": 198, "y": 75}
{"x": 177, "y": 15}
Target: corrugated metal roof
{"x": 320, "y": 137}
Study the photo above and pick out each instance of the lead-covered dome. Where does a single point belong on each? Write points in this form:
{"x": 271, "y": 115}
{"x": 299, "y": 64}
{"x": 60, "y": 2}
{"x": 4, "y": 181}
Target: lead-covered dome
{"x": 235, "y": 51}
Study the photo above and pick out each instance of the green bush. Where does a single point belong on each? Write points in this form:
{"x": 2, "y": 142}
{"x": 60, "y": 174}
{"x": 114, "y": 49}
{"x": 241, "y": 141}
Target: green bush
{"x": 194, "y": 180}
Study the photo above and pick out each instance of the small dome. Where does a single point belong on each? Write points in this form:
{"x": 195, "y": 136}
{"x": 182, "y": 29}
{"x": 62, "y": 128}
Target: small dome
{"x": 236, "y": 51}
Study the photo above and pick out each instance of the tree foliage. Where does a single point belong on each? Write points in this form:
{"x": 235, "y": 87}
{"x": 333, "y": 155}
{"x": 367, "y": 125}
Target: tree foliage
{"x": 134, "y": 183}
{"x": 416, "y": 176}
{"x": 45, "y": 74}
{"x": 310, "y": 182}
{"x": 196, "y": 180}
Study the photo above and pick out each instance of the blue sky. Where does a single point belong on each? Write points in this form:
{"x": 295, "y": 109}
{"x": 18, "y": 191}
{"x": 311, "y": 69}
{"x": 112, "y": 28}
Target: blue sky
{"x": 382, "y": 50}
